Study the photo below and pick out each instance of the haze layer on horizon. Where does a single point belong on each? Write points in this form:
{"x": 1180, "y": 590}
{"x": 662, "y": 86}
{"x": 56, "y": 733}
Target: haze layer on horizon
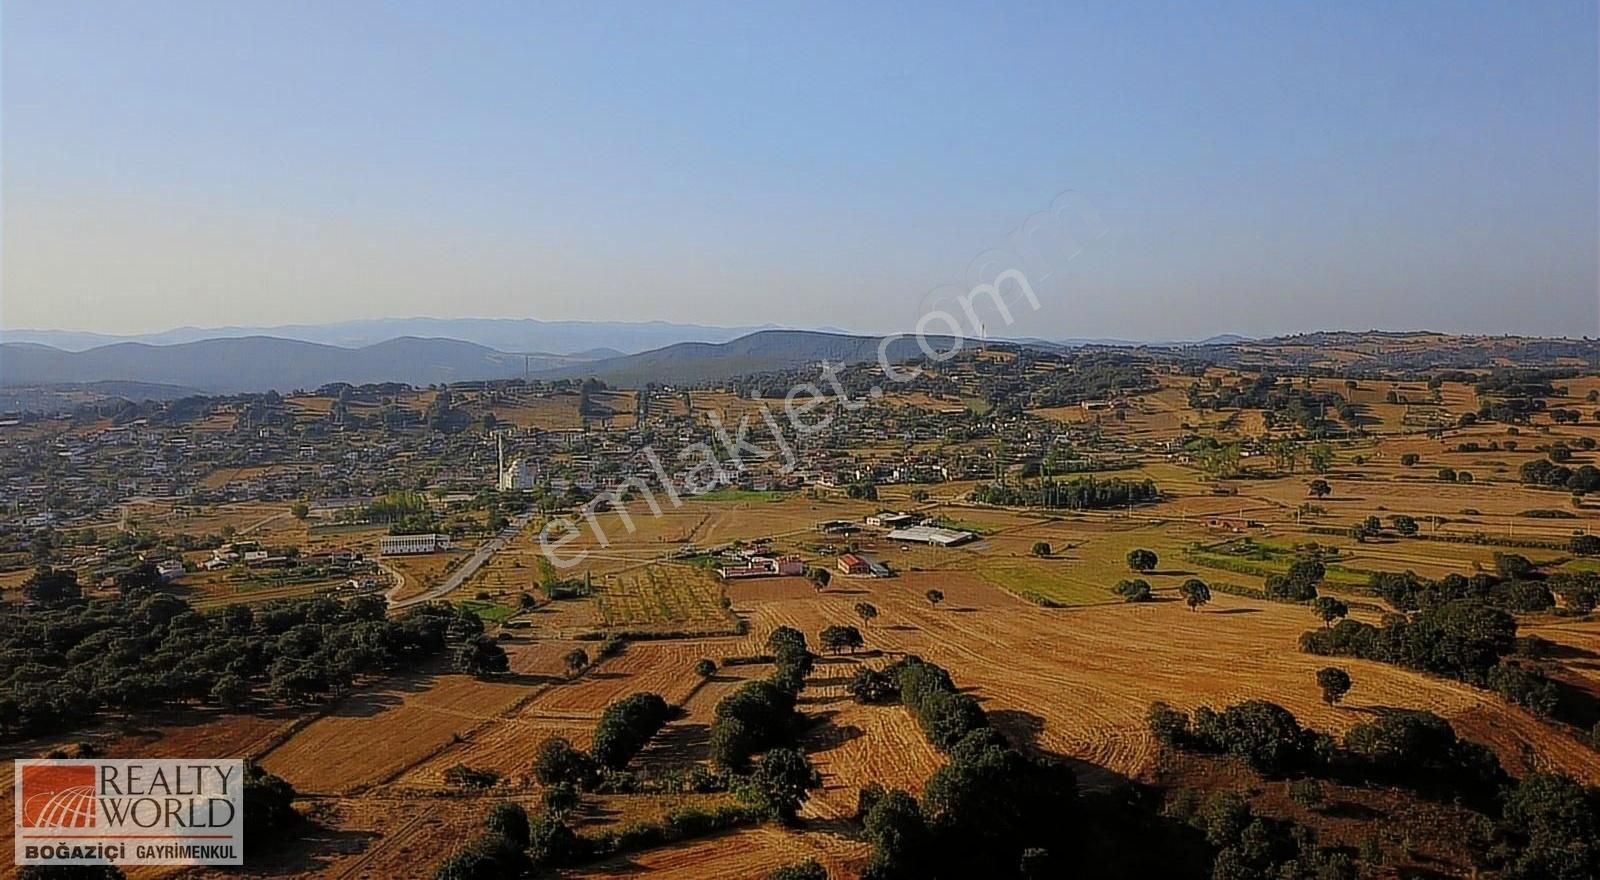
{"x": 1253, "y": 167}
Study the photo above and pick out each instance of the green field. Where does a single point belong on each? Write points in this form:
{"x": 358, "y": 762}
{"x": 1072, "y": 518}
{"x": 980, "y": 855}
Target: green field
{"x": 1039, "y": 584}
{"x": 741, "y": 495}
{"x": 489, "y": 611}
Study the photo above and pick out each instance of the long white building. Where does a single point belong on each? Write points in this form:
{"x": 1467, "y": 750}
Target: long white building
{"x": 408, "y": 545}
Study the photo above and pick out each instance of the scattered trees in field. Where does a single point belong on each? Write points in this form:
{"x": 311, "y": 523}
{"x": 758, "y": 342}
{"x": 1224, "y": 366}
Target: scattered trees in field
{"x": 780, "y": 783}
{"x": 866, "y": 611}
{"x": 481, "y": 655}
{"x": 1133, "y": 590}
{"x": 1329, "y": 609}
{"x": 841, "y": 638}
{"x": 1041, "y": 548}
{"x": 705, "y": 667}
{"x": 557, "y": 762}
{"x": 576, "y": 661}
{"x": 934, "y": 597}
{"x": 1142, "y": 560}
{"x": 1319, "y": 488}
{"x": 626, "y": 726}
{"x": 868, "y": 685}
{"x": 1299, "y": 583}
{"x": 1195, "y": 593}
{"x": 1334, "y": 682}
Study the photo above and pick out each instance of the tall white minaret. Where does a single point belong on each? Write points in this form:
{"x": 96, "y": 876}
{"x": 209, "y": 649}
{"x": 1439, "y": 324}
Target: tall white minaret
{"x": 500, "y": 450}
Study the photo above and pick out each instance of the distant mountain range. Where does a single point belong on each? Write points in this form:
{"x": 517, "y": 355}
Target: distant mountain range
{"x": 500, "y": 334}
{"x": 257, "y": 363}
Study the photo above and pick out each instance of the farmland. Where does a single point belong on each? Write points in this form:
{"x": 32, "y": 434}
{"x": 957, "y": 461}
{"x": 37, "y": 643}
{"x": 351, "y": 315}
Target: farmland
{"x": 1027, "y": 617}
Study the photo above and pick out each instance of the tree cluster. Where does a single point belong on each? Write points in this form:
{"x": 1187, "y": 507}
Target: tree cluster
{"x": 64, "y": 662}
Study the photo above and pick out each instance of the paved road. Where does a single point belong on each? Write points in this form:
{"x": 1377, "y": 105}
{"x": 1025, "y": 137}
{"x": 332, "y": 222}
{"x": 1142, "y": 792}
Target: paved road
{"x": 467, "y": 569}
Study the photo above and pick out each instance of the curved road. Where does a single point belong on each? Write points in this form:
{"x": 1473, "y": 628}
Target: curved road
{"x": 470, "y": 567}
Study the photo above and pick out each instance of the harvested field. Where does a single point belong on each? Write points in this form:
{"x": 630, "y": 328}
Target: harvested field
{"x": 662, "y": 595}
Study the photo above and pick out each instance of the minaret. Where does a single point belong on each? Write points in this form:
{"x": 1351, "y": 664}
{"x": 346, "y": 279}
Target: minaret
{"x": 500, "y": 450}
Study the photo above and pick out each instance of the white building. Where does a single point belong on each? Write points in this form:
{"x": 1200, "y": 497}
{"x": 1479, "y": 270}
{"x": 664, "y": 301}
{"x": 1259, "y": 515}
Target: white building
{"x": 930, "y": 535}
{"x": 516, "y": 476}
{"x": 404, "y": 545}
{"x": 513, "y": 477}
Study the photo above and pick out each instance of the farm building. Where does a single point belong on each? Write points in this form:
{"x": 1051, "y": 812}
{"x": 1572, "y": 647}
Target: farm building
{"x": 887, "y": 520}
{"x": 404, "y": 545}
{"x": 837, "y": 527}
{"x": 931, "y": 535}
{"x": 764, "y": 566}
{"x": 849, "y": 563}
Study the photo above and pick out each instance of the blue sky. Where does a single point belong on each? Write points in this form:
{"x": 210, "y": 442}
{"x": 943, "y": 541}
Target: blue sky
{"x": 1258, "y": 167}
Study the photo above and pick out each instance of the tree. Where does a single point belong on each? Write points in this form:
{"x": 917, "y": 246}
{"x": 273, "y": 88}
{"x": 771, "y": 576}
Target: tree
{"x": 1404, "y": 525}
{"x": 866, "y": 611}
{"x": 300, "y": 510}
{"x": 509, "y": 820}
{"x": 782, "y": 782}
{"x": 934, "y": 597}
{"x": 819, "y": 577}
{"x": 1319, "y": 488}
{"x": 1585, "y": 545}
{"x": 1194, "y": 592}
{"x": 868, "y": 685}
{"x": 556, "y": 761}
{"x": 1335, "y": 683}
{"x": 1320, "y": 457}
{"x": 481, "y": 655}
{"x": 1041, "y": 548}
{"x": 841, "y": 638}
{"x": 1142, "y": 560}
{"x": 1329, "y": 609}
{"x": 1168, "y": 725}
{"x": 560, "y": 799}
{"x": 705, "y": 667}
{"x": 51, "y": 586}
{"x": 626, "y": 726}
{"x": 1410, "y": 459}
{"x": 1133, "y": 590}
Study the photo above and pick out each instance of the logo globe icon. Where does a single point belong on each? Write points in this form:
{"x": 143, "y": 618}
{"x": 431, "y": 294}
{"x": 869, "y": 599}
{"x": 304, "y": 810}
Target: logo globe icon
{"x": 65, "y": 808}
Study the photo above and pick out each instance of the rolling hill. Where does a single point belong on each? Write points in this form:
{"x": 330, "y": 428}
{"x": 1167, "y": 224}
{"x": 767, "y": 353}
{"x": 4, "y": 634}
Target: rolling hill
{"x": 765, "y": 351}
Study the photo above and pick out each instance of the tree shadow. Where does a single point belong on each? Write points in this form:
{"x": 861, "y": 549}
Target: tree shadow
{"x": 1022, "y": 728}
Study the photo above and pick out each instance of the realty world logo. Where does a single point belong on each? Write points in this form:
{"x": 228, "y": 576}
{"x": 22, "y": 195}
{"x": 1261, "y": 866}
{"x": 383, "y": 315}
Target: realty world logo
{"x": 129, "y": 812}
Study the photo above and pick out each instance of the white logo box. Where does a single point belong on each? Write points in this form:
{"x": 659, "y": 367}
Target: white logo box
{"x": 166, "y": 811}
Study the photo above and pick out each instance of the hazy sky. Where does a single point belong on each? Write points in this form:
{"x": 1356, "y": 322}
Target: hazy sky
{"x": 1258, "y": 167}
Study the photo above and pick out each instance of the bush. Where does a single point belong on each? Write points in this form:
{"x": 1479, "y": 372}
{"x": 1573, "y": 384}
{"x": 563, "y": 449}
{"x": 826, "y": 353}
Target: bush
{"x": 462, "y": 776}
